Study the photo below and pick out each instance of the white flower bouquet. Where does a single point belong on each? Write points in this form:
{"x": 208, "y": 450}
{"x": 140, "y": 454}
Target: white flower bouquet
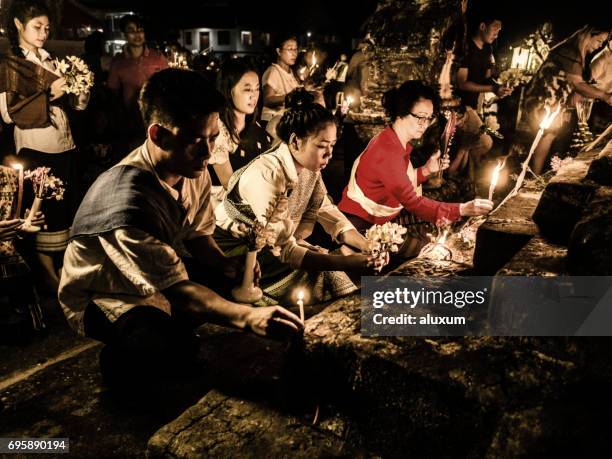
{"x": 79, "y": 79}
{"x": 386, "y": 238}
{"x": 45, "y": 185}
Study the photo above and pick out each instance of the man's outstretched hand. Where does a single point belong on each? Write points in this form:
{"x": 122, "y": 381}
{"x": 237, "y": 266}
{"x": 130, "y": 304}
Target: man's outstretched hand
{"x": 274, "y": 322}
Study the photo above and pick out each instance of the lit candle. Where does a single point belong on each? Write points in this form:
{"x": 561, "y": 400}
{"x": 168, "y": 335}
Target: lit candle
{"x": 495, "y": 177}
{"x": 300, "y": 302}
{"x": 545, "y": 124}
{"x": 19, "y": 168}
{"x": 313, "y": 62}
{"x": 346, "y": 104}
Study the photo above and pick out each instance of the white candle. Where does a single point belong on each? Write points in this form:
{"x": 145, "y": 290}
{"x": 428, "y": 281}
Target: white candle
{"x": 545, "y": 124}
{"x": 19, "y": 168}
{"x": 300, "y": 303}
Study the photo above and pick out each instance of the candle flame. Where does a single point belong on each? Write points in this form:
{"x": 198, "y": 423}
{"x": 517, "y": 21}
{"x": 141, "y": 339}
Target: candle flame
{"x": 314, "y": 58}
{"x": 549, "y": 117}
{"x": 17, "y": 166}
{"x": 496, "y": 171}
{"x": 300, "y": 295}
{"x": 349, "y": 100}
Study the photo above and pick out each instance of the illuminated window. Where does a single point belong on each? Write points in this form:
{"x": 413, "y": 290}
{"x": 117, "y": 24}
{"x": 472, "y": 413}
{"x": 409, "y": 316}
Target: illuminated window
{"x": 246, "y": 38}
{"x": 204, "y": 40}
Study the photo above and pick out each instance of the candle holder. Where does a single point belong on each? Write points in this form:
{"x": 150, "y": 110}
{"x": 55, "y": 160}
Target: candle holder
{"x": 248, "y": 292}
{"x": 27, "y": 225}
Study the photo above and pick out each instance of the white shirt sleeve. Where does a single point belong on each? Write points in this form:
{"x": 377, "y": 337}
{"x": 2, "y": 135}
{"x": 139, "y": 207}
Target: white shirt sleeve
{"x": 273, "y": 78}
{"x": 333, "y": 221}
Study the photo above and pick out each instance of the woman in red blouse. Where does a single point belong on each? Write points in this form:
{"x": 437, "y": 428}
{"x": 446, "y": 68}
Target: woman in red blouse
{"x": 383, "y": 183}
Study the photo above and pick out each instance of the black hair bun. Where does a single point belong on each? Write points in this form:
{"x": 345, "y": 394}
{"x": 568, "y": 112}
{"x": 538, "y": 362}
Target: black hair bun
{"x": 298, "y": 99}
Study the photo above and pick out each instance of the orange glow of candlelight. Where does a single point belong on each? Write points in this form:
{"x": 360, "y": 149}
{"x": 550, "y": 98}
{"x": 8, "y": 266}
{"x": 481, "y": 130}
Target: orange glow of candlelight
{"x": 314, "y": 58}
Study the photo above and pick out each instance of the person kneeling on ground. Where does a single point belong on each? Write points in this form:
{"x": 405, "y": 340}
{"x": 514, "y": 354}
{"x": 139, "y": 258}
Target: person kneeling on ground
{"x": 125, "y": 281}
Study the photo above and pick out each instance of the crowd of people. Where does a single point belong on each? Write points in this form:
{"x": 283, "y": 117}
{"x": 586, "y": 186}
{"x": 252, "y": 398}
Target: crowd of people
{"x": 151, "y": 250}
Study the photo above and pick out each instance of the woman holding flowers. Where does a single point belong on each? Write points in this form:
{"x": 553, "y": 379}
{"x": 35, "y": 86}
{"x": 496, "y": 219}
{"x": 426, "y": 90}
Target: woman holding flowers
{"x": 384, "y": 186}
{"x": 285, "y": 186}
{"x": 33, "y": 96}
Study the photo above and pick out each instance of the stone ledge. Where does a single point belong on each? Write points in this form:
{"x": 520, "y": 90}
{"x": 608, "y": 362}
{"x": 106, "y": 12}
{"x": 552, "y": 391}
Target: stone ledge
{"x": 538, "y": 258}
{"x": 223, "y": 426}
{"x": 600, "y": 170}
{"x": 564, "y": 199}
{"x": 590, "y": 245}
{"x": 504, "y": 233}
{"x": 479, "y": 394}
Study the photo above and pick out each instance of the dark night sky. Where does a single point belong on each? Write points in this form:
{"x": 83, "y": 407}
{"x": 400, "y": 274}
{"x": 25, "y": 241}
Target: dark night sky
{"x": 345, "y": 17}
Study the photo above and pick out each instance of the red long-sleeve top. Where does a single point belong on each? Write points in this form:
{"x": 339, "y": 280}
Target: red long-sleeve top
{"x": 381, "y": 176}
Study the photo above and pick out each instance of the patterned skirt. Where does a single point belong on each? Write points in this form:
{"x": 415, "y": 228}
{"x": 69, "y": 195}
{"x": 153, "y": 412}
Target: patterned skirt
{"x": 280, "y": 282}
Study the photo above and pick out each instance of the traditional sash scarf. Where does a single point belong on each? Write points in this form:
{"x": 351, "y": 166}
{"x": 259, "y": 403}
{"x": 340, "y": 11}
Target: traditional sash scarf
{"x": 305, "y": 196}
{"x": 129, "y": 196}
{"x": 355, "y": 193}
{"x": 26, "y": 84}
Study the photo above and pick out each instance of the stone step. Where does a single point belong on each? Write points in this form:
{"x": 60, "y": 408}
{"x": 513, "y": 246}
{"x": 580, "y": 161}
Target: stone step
{"x": 600, "y": 170}
{"x": 224, "y": 426}
{"x": 590, "y": 245}
{"x": 538, "y": 258}
{"x": 564, "y": 199}
{"x": 505, "y": 232}
{"x": 483, "y": 396}
{"x": 508, "y": 313}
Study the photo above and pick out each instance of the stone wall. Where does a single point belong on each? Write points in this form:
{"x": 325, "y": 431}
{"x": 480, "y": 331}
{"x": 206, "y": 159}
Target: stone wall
{"x": 407, "y": 36}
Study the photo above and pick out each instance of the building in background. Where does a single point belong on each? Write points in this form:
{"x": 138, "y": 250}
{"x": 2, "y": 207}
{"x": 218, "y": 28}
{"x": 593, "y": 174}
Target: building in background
{"x": 236, "y": 40}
